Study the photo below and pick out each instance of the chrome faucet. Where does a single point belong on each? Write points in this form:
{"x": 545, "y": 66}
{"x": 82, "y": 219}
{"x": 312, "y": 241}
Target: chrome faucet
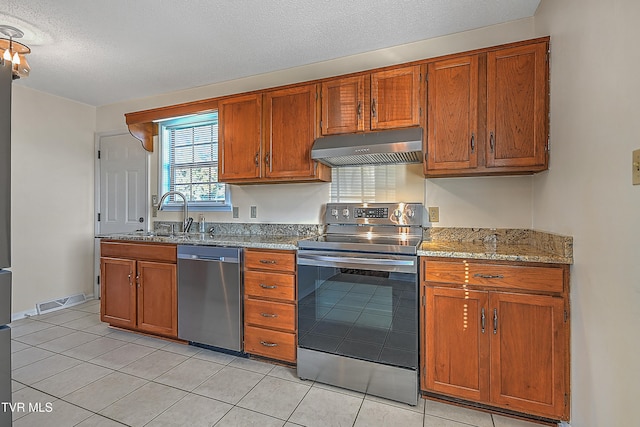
{"x": 185, "y": 209}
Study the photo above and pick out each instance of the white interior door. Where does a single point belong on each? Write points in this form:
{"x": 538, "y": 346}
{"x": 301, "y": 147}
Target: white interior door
{"x": 123, "y": 184}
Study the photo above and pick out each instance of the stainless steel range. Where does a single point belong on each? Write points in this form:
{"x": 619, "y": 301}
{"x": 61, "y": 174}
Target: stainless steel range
{"x": 358, "y": 300}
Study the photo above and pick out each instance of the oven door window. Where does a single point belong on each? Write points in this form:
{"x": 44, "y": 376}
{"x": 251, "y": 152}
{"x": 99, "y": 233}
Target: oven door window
{"x": 364, "y": 314}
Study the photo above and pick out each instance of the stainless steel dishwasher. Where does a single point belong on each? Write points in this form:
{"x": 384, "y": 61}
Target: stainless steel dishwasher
{"x": 210, "y": 296}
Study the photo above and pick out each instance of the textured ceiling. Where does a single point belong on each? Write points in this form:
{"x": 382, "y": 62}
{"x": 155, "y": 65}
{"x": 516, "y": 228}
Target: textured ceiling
{"x": 104, "y": 51}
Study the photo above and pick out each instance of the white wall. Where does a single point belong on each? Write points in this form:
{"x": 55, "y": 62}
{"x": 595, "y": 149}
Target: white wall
{"x": 52, "y": 197}
{"x": 587, "y": 193}
{"x": 468, "y": 202}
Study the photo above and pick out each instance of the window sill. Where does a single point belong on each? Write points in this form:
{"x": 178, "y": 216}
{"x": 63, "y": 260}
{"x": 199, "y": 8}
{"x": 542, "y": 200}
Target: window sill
{"x": 198, "y": 208}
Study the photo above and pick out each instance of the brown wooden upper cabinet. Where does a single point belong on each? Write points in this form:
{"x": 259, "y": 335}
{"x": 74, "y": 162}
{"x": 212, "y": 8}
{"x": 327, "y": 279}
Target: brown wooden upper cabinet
{"x": 488, "y": 113}
{"x": 452, "y": 114}
{"x": 239, "y": 137}
{"x": 267, "y": 137}
{"x": 381, "y": 100}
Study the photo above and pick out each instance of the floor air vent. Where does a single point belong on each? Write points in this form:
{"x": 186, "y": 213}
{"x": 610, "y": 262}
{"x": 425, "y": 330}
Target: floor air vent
{"x": 57, "y": 304}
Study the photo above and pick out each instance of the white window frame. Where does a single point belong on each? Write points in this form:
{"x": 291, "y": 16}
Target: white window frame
{"x": 176, "y": 204}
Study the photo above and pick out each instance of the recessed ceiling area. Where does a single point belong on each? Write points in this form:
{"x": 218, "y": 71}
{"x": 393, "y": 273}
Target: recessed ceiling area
{"x": 103, "y": 52}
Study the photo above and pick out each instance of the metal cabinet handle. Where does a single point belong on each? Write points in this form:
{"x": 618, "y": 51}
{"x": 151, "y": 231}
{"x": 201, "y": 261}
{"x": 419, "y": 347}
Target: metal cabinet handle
{"x": 268, "y": 344}
{"x": 268, "y": 315}
{"x": 359, "y": 110}
{"x": 373, "y": 107}
{"x": 267, "y": 261}
{"x": 257, "y": 159}
{"x": 482, "y": 319}
{"x": 267, "y": 157}
{"x": 492, "y": 141}
{"x": 495, "y": 320}
{"x": 473, "y": 142}
{"x": 130, "y": 282}
{"x": 489, "y": 276}
{"x": 262, "y": 285}
{"x": 138, "y": 280}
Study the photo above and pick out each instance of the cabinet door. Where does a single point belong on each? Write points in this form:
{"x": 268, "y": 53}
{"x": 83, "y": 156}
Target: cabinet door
{"x": 289, "y": 132}
{"x": 118, "y": 293}
{"x": 528, "y": 350}
{"x": 517, "y": 107}
{"x": 239, "y": 137}
{"x": 457, "y": 346}
{"x": 395, "y": 98}
{"x": 452, "y": 114}
{"x": 157, "y": 298}
{"x": 343, "y": 105}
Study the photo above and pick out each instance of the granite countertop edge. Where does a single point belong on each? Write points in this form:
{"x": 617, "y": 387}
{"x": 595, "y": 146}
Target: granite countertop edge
{"x": 516, "y": 255}
{"x": 526, "y": 252}
{"x": 243, "y": 241}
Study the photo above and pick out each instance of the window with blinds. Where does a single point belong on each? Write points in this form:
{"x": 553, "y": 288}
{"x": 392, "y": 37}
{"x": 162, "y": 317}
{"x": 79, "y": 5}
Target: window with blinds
{"x": 360, "y": 184}
{"x": 189, "y": 162}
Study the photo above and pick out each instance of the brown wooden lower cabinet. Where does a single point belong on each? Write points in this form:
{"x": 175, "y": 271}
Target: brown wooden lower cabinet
{"x": 493, "y": 344}
{"x": 270, "y": 343}
{"x": 270, "y": 326}
{"x": 139, "y": 287}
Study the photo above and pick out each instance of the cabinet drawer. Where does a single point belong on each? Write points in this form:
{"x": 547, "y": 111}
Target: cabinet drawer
{"x": 544, "y": 279}
{"x": 270, "y": 314}
{"x": 270, "y": 285}
{"x": 146, "y": 251}
{"x": 273, "y": 344}
{"x": 270, "y": 260}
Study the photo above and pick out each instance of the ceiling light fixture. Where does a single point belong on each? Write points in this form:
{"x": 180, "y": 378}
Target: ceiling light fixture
{"x": 14, "y": 52}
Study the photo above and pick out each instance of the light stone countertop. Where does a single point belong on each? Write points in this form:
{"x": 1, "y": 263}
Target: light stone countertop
{"x": 491, "y": 251}
{"x": 500, "y": 244}
{"x": 285, "y": 242}
{"x": 472, "y": 243}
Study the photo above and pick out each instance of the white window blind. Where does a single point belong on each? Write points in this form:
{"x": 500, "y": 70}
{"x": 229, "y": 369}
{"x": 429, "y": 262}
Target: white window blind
{"x": 189, "y": 162}
{"x": 361, "y": 184}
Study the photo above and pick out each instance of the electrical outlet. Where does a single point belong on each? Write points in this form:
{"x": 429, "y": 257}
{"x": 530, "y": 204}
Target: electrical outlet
{"x": 254, "y": 211}
{"x": 236, "y": 212}
{"x": 635, "y": 164}
{"x": 434, "y": 214}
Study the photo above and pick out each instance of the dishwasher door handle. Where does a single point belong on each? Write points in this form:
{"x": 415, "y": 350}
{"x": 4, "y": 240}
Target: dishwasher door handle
{"x": 208, "y": 258}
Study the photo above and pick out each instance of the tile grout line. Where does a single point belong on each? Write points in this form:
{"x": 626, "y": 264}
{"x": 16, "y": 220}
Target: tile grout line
{"x": 190, "y": 356}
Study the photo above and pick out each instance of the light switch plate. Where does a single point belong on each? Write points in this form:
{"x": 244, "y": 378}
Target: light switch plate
{"x": 635, "y": 164}
{"x": 236, "y": 212}
{"x": 154, "y": 205}
{"x": 434, "y": 214}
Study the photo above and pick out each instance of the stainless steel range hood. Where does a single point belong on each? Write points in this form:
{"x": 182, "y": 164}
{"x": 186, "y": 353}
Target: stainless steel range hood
{"x": 398, "y": 146}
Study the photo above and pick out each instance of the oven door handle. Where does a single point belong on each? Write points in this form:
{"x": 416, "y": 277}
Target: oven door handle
{"x": 350, "y": 262}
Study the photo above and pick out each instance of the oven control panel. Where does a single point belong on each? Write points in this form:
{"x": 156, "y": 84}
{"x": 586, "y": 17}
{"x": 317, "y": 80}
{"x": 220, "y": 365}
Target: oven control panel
{"x": 406, "y": 214}
{"x": 371, "y": 212}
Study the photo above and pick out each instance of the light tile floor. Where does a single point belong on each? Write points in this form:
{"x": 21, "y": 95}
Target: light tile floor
{"x": 82, "y": 373}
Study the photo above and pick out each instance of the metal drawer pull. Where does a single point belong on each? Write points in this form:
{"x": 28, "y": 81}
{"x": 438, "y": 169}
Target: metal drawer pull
{"x": 482, "y": 319}
{"x": 267, "y": 261}
{"x": 489, "y": 276}
{"x": 262, "y": 285}
{"x": 268, "y": 315}
{"x": 269, "y": 344}
{"x": 495, "y": 320}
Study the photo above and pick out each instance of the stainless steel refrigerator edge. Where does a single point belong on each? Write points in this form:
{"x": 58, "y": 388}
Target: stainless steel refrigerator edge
{"x": 5, "y": 240}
